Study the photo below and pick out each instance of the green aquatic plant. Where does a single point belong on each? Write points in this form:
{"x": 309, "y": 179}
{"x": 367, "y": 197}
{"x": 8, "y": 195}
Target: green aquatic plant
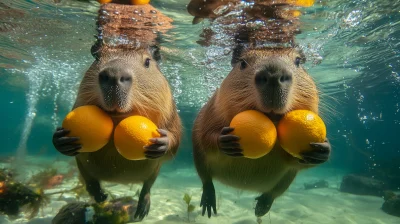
{"x": 113, "y": 211}
{"x": 137, "y": 193}
{"x": 6, "y": 174}
{"x": 190, "y": 208}
{"x": 219, "y": 200}
{"x": 41, "y": 179}
{"x": 79, "y": 190}
{"x": 15, "y": 195}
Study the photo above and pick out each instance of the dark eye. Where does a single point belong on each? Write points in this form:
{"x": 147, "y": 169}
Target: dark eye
{"x": 147, "y": 63}
{"x": 297, "y": 61}
{"x": 243, "y": 64}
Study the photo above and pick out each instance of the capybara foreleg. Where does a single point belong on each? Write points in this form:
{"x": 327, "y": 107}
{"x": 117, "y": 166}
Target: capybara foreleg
{"x": 319, "y": 154}
{"x": 229, "y": 144}
{"x": 66, "y": 145}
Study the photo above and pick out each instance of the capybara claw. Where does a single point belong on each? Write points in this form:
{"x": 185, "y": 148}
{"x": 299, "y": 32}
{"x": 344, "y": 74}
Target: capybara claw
{"x": 319, "y": 154}
{"x": 208, "y": 200}
{"x": 229, "y": 144}
{"x": 64, "y": 144}
{"x": 159, "y": 145}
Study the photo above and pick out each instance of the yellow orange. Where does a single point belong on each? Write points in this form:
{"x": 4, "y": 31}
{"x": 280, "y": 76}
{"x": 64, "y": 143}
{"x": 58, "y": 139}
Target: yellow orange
{"x": 91, "y": 124}
{"x": 304, "y": 3}
{"x": 295, "y": 13}
{"x": 104, "y": 1}
{"x": 298, "y": 128}
{"x": 139, "y": 2}
{"x": 256, "y": 131}
{"x": 132, "y": 134}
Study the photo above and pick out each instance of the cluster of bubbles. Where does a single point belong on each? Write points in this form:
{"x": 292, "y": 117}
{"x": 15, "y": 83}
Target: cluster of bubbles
{"x": 53, "y": 80}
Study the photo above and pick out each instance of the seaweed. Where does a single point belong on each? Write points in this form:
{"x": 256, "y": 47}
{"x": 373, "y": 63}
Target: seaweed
{"x": 190, "y": 208}
{"x": 113, "y": 211}
{"x": 15, "y": 195}
{"x": 41, "y": 179}
{"x": 6, "y": 174}
{"x": 137, "y": 193}
{"x": 219, "y": 200}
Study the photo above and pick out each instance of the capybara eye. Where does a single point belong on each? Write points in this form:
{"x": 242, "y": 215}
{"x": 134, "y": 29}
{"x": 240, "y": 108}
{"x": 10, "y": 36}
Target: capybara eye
{"x": 147, "y": 62}
{"x": 297, "y": 61}
{"x": 243, "y": 64}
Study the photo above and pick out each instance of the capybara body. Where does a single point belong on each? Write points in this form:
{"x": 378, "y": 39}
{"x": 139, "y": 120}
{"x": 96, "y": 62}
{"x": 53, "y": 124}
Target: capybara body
{"x": 125, "y": 83}
{"x": 269, "y": 80}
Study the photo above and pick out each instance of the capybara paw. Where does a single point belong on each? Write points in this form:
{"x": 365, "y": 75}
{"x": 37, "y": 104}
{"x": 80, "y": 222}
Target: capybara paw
{"x": 264, "y": 203}
{"x": 143, "y": 207}
{"x": 319, "y": 154}
{"x": 159, "y": 145}
{"x": 229, "y": 144}
{"x": 64, "y": 144}
{"x": 208, "y": 199}
{"x": 100, "y": 197}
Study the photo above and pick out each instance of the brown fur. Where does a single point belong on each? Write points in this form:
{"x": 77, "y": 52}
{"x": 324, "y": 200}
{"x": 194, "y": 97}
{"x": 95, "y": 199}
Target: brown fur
{"x": 133, "y": 24}
{"x": 149, "y": 96}
{"x": 271, "y": 21}
{"x": 273, "y": 172}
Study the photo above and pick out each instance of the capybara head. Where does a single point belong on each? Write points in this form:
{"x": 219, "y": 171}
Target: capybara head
{"x": 124, "y": 81}
{"x": 270, "y": 80}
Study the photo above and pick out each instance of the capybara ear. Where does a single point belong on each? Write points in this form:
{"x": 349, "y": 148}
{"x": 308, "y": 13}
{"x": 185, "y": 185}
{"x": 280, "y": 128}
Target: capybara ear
{"x": 95, "y": 50}
{"x": 155, "y": 52}
{"x": 237, "y": 53}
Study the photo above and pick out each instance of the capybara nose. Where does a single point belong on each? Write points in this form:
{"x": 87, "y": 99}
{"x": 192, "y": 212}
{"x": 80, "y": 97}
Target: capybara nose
{"x": 114, "y": 77}
{"x": 273, "y": 76}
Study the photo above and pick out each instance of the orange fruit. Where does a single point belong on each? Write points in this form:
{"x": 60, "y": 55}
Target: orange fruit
{"x": 304, "y": 3}
{"x": 139, "y": 2}
{"x": 298, "y": 128}
{"x": 91, "y": 124}
{"x": 132, "y": 134}
{"x": 104, "y": 1}
{"x": 256, "y": 131}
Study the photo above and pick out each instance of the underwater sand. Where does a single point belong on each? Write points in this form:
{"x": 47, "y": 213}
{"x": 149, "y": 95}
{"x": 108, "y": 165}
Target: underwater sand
{"x": 297, "y": 205}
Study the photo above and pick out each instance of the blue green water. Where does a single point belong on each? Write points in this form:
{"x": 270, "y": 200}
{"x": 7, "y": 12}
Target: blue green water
{"x": 45, "y": 49}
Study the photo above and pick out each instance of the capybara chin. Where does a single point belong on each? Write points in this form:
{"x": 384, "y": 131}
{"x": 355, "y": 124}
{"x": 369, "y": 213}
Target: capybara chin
{"x": 123, "y": 83}
{"x": 272, "y": 81}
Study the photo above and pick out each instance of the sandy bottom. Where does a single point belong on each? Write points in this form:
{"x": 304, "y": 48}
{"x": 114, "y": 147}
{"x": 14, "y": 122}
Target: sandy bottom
{"x": 297, "y": 205}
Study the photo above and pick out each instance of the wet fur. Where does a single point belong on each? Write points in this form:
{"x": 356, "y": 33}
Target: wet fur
{"x": 274, "y": 172}
{"x": 149, "y": 96}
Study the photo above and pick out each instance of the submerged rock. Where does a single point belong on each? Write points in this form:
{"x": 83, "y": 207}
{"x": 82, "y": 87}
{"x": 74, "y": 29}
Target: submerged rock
{"x": 317, "y": 184}
{"x": 72, "y": 213}
{"x": 117, "y": 211}
{"x": 392, "y": 205}
{"x": 362, "y": 185}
